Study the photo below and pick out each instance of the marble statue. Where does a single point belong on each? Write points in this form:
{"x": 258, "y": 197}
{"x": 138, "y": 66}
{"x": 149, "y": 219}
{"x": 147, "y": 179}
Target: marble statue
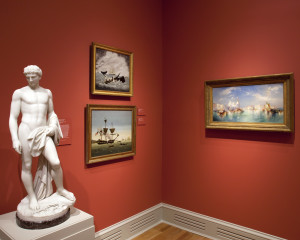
{"x": 37, "y": 135}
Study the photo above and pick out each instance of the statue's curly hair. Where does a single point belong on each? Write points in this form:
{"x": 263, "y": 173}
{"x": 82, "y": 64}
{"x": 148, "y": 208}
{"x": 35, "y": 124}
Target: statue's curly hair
{"x": 33, "y": 69}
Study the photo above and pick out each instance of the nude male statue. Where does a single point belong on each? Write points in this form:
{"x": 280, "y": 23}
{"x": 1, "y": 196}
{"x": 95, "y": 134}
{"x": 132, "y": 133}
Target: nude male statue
{"x": 35, "y": 102}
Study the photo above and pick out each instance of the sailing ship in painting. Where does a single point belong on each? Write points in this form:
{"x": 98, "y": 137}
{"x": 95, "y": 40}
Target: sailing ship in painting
{"x": 111, "y": 81}
{"x": 107, "y": 135}
{"x": 112, "y": 131}
{"x": 109, "y": 141}
{"x": 108, "y": 78}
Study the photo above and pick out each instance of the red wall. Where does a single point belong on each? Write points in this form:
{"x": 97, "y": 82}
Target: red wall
{"x": 56, "y": 35}
{"x": 248, "y": 178}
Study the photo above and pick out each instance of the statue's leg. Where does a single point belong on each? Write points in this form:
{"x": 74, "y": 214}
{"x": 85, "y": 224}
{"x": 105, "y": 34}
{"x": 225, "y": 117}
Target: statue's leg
{"x": 50, "y": 154}
{"x": 26, "y": 175}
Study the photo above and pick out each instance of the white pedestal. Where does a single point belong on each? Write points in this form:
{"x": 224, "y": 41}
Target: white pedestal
{"x": 79, "y": 226}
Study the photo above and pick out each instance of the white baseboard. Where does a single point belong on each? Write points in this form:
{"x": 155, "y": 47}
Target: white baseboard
{"x": 193, "y": 222}
{"x": 132, "y": 226}
{"x": 210, "y": 227}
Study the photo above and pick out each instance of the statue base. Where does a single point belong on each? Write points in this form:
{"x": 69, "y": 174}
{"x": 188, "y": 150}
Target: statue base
{"x": 80, "y": 225}
{"x": 45, "y": 224}
{"x": 52, "y": 211}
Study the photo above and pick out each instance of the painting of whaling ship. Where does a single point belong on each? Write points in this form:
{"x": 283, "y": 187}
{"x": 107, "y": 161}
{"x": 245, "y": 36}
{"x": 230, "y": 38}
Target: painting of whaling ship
{"x": 107, "y": 135}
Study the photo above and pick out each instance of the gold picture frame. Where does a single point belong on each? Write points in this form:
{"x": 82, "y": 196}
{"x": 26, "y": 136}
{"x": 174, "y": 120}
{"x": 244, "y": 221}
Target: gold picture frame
{"x": 110, "y": 132}
{"x": 111, "y": 71}
{"x": 260, "y": 103}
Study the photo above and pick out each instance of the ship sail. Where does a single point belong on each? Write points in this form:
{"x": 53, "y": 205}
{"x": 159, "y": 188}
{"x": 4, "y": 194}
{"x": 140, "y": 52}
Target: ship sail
{"x": 109, "y": 136}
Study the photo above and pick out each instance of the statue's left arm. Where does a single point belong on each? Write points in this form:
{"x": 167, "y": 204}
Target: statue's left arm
{"x": 53, "y": 122}
{"x": 51, "y": 130}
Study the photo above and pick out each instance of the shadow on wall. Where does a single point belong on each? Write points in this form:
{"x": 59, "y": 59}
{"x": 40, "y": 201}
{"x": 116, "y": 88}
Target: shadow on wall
{"x": 259, "y": 136}
{"x": 82, "y": 200}
{"x": 109, "y": 162}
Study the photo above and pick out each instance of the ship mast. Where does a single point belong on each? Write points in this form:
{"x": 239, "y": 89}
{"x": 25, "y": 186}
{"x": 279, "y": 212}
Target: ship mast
{"x": 105, "y": 129}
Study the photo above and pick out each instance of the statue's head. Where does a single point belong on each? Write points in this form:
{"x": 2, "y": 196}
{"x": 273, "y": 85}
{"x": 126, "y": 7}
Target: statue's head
{"x": 33, "y": 69}
{"x": 33, "y": 75}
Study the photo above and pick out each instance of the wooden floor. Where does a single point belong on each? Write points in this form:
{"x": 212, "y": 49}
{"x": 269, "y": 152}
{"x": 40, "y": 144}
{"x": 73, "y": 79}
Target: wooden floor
{"x": 166, "y": 232}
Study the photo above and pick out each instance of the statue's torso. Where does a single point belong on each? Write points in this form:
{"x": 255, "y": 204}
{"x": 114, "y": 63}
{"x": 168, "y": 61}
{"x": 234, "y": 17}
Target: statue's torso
{"x": 34, "y": 107}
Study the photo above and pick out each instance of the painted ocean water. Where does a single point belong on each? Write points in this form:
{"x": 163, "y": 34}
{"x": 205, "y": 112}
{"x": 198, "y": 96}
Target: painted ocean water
{"x": 251, "y": 116}
{"x": 108, "y": 149}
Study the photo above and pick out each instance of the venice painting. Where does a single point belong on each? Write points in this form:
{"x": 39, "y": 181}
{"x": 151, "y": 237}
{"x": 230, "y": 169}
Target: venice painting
{"x": 111, "y": 71}
{"x": 254, "y": 103}
{"x": 110, "y": 132}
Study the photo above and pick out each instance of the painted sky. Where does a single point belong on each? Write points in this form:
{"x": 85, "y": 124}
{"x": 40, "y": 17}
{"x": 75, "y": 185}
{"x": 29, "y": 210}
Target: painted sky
{"x": 120, "y": 120}
{"x": 114, "y": 63}
{"x": 250, "y": 95}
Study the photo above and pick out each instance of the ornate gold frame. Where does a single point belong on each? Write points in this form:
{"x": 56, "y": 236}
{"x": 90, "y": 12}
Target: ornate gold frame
{"x": 288, "y": 94}
{"x": 95, "y": 91}
{"x": 93, "y": 159}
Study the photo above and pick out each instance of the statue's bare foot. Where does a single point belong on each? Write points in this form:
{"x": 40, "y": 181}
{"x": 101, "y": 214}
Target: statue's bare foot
{"x": 33, "y": 203}
{"x": 66, "y": 194}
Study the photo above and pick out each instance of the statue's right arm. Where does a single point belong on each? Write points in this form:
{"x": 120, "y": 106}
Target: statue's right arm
{"x": 15, "y": 109}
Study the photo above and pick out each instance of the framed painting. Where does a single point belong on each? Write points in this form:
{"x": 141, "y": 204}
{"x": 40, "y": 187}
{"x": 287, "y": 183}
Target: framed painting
{"x": 111, "y": 71}
{"x": 110, "y": 132}
{"x": 263, "y": 103}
